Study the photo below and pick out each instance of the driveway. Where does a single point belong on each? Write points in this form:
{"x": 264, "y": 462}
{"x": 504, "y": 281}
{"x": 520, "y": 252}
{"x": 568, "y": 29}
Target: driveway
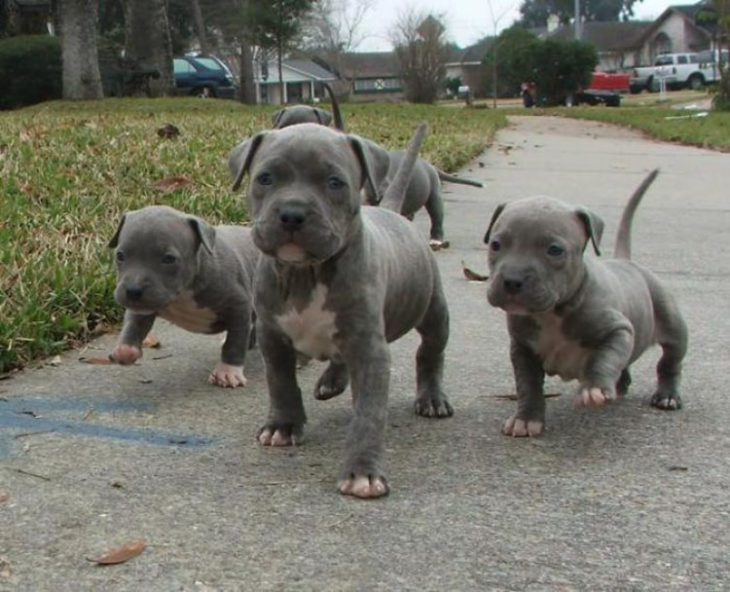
{"x": 622, "y": 498}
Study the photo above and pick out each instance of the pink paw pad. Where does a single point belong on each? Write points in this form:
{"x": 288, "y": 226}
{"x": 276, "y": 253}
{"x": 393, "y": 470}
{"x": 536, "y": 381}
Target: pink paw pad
{"x": 520, "y": 428}
{"x": 227, "y": 376}
{"x": 276, "y": 438}
{"x": 125, "y": 354}
{"x": 363, "y": 487}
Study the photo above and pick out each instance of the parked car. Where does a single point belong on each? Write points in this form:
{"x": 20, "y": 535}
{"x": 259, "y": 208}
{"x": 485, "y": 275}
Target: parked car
{"x": 679, "y": 70}
{"x": 203, "y": 76}
{"x": 612, "y": 81}
{"x": 598, "y": 92}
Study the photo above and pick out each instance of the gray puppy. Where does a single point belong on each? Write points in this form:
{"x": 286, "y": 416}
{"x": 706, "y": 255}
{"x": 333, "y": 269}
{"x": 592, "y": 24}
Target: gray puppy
{"x": 579, "y": 318}
{"x": 297, "y": 114}
{"x": 338, "y": 281}
{"x": 423, "y": 190}
{"x": 194, "y": 275}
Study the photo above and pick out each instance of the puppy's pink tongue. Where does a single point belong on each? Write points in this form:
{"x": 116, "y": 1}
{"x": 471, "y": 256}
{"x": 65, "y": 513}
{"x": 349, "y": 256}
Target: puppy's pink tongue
{"x": 291, "y": 253}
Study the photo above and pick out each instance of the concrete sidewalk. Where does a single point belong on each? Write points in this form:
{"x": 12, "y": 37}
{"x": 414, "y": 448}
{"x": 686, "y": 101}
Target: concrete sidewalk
{"x": 623, "y": 498}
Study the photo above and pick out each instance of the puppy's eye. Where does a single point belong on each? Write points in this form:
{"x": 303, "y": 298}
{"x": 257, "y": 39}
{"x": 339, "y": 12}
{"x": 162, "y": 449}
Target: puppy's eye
{"x": 495, "y": 245}
{"x": 555, "y": 250}
{"x": 335, "y": 183}
{"x": 265, "y": 179}
{"x": 120, "y": 256}
{"x": 169, "y": 259}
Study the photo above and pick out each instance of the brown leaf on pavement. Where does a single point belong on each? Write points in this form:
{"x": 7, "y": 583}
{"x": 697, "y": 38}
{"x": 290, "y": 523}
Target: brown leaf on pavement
{"x": 122, "y": 554}
{"x": 97, "y": 361}
{"x": 473, "y": 276}
{"x": 4, "y": 497}
{"x": 151, "y": 341}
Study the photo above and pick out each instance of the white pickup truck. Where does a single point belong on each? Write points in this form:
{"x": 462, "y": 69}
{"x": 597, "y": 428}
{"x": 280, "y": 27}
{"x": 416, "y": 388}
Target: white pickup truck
{"x": 692, "y": 70}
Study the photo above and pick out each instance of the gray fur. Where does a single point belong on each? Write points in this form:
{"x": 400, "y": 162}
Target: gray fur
{"x": 574, "y": 316}
{"x": 306, "y": 114}
{"x": 372, "y": 275}
{"x": 178, "y": 267}
{"x": 423, "y": 190}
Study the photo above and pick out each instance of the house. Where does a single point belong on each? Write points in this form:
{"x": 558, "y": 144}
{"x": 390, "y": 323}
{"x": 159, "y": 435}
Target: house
{"x": 29, "y": 17}
{"x": 619, "y": 43}
{"x": 467, "y": 65}
{"x": 302, "y": 81}
{"x": 372, "y": 75}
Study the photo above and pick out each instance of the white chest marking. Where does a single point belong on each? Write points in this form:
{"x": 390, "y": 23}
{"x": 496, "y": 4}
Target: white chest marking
{"x": 559, "y": 354}
{"x": 311, "y": 329}
{"x": 185, "y": 312}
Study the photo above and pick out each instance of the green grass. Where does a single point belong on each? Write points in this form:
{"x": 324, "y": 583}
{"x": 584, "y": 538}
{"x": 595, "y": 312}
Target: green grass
{"x": 69, "y": 170}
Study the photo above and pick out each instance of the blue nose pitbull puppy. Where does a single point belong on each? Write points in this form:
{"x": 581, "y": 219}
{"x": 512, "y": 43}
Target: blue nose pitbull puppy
{"x": 194, "y": 275}
{"x": 577, "y": 317}
{"x": 338, "y": 281}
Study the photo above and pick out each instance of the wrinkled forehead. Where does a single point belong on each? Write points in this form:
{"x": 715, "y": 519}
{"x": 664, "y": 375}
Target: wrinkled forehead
{"x": 539, "y": 218}
{"x": 154, "y": 230}
{"x": 305, "y": 147}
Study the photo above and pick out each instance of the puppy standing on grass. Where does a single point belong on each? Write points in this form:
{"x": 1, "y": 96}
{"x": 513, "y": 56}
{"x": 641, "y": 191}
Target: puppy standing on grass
{"x": 194, "y": 275}
{"x": 577, "y": 317}
{"x": 338, "y": 281}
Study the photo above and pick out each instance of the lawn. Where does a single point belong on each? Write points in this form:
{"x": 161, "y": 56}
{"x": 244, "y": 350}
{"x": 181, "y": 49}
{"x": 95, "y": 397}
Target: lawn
{"x": 69, "y": 170}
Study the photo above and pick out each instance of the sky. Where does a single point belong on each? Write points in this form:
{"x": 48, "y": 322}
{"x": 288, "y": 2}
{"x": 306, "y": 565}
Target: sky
{"x": 466, "y": 21}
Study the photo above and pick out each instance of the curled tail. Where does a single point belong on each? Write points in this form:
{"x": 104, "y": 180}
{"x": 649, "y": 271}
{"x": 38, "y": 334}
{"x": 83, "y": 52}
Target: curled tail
{"x": 444, "y": 176}
{"x": 396, "y": 191}
{"x": 336, "y": 115}
{"x": 622, "y": 250}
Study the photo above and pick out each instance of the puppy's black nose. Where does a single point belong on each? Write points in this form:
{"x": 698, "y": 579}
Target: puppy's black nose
{"x": 134, "y": 292}
{"x": 512, "y": 285}
{"x": 292, "y": 217}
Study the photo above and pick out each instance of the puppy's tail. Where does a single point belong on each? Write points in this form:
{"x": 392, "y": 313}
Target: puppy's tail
{"x": 396, "y": 191}
{"x": 622, "y": 250}
{"x": 444, "y": 176}
{"x": 336, "y": 115}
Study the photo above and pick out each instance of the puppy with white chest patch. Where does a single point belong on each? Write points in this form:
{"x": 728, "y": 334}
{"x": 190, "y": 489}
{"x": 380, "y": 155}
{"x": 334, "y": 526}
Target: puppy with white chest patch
{"x": 338, "y": 281}
{"x": 197, "y": 276}
{"x": 573, "y": 316}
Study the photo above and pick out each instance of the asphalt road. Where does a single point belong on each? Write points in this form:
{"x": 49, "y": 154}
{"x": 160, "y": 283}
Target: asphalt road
{"x": 621, "y": 498}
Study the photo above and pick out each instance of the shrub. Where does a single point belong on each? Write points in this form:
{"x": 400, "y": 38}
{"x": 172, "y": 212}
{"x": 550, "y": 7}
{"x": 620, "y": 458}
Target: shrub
{"x": 30, "y": 70}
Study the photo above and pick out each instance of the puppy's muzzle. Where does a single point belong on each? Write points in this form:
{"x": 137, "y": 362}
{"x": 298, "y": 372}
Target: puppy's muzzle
{"x": 292, "y": 217}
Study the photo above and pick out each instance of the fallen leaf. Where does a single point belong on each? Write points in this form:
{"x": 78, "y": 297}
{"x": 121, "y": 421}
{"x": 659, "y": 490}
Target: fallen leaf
{"x": 4, "y": 497}
{"x": 168, "y": 131}
{"x": 55, "y": 361}
{"x": 122, "y": 554}
{"x": 678, "y": 468}
{"x": 151, "y": 341}
{"x": 5, "y": 572}
{"x": 116, "y": 484}
{"x": 473, "y": 276}
{"x": 173, "y": 184}
{"x": 97, "y": 361}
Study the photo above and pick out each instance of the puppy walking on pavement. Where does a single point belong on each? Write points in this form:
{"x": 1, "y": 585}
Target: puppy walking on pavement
{"x": 577, "y": 317}
{"x": 338, "y": 281}
{"x": 197, "y": 276}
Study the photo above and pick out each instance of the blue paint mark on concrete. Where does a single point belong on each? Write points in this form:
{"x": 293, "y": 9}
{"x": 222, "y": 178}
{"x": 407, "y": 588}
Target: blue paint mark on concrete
{"x": 28, "y": 414}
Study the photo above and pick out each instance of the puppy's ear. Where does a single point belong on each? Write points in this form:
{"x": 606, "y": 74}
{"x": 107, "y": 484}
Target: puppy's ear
{"x": 276, "y": 117}
{"x": 496, "y": 215}
{"x": 323, "y": 117}
{"x": 204, "y": 232}
{"x": 593, "y": 226}
{"x": 115, "y": 239}
{"x": 363, "y": 158}
{"x": 239, "y": 159}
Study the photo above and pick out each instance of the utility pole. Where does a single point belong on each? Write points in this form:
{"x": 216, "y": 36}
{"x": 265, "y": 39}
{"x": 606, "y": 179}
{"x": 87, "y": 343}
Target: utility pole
{"x": 495, "y": 25}
{"x": 577, "y": 24}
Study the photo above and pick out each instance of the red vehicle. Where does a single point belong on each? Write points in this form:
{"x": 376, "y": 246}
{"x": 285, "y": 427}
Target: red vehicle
{"x": 617, "y": 82}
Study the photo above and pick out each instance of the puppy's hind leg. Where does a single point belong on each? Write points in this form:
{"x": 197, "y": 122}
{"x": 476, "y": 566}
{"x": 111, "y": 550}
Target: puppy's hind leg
{"x": 672, "y": 336}
{"x": 333, "y": 382}
{"x": 435, "y": 209}
{"x": 434, "y": 329}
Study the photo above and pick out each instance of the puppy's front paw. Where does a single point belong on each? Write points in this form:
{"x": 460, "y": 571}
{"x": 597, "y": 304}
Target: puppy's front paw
{"x": 125, "y": 354}
{"x": 593, "y": 396}
{"x": 668, "y": 401}
{"x": 364, "y": 486}
{"x": 437, "y": 244}
{"x": 433, "y": 406}
{"x": 280, "y": 435}
{"x": 227, "y": 376}
{"x": 519, "y": 428}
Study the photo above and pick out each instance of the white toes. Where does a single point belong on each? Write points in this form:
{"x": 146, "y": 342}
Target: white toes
{"x": 126, "y": 354}
{"x": 363, "y": 487}
{"x": 593, "y": 397}
{"x": 520, "y": 428}
{"x": 227, "y": 376}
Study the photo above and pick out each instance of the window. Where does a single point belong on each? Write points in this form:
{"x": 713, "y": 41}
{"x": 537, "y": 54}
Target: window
{"x": 682, "y": 59}
{"x": 182, "y": 67}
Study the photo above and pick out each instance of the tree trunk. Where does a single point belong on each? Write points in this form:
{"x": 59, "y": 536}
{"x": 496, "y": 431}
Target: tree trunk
{"x": 248, "y": 88}
{"x": 81, "y": 78}
{"x": 200, "y": 27}
{"x": 279, "y": 59}
{"x": 148, "y": 45}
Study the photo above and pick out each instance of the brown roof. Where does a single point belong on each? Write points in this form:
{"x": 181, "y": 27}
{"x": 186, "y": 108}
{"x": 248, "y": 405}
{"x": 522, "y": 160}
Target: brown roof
{"x": 607, "y": 36}
{"x": 375, "y": 64}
